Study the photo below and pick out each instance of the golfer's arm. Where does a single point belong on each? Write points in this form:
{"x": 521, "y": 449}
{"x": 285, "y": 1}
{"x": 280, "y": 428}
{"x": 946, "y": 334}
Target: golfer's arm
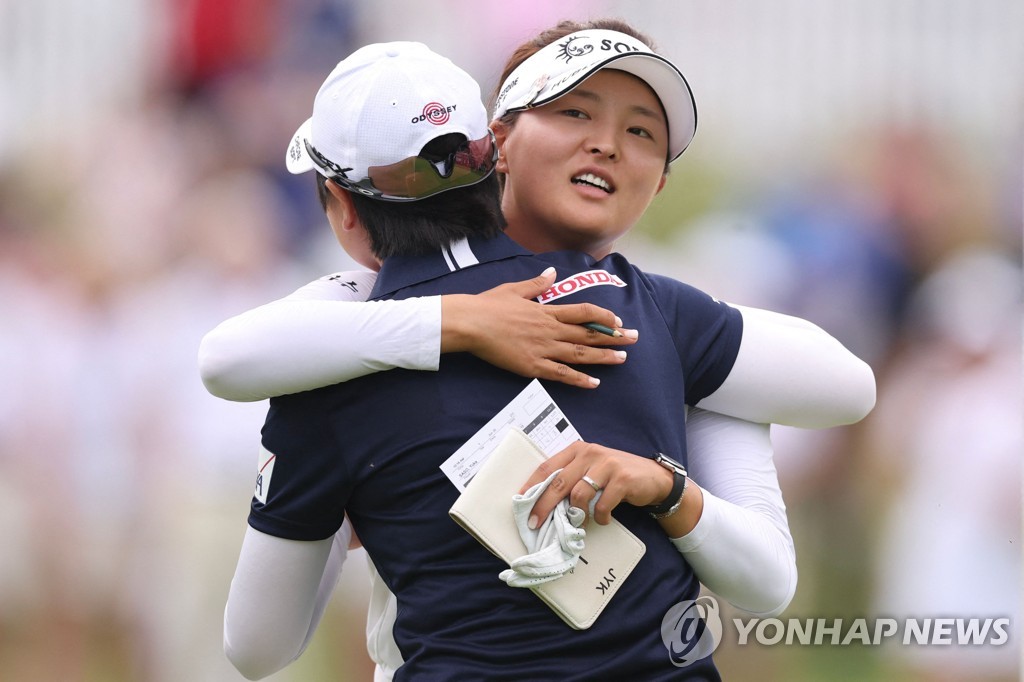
{"x": 277, "y": 598}
{"x": 323, "y": 334}
{"x": 790, "y": 371}
{"x": 741, "y": 548}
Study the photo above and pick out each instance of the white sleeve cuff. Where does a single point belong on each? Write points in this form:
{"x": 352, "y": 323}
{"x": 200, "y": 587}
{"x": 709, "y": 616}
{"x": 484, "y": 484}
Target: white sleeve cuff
{"x": 741, "y": 557}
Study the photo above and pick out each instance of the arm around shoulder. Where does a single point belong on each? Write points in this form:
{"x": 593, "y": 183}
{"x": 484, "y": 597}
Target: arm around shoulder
{"x": 316, "y": 338}
{"x": 790, "y": 371}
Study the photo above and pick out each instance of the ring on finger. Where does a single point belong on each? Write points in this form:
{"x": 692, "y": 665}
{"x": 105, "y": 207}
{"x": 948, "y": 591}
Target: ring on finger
{"x": 593, "y": 484}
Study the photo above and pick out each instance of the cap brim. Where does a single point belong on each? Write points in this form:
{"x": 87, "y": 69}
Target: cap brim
{"x": 296, "y": 158}
{"x": 674, "y": 92}
{"x": 668, "y": 84}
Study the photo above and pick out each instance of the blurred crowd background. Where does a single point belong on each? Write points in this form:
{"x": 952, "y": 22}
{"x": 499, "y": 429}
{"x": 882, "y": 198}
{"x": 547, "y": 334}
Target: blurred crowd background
{"x": 857, "y": 163}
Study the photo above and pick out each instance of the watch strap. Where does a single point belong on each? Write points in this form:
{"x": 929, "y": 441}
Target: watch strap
{"x": 671, "y": 503}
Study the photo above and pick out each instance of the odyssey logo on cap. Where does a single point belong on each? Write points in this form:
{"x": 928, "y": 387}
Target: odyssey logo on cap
{"x": 436, "y": 113}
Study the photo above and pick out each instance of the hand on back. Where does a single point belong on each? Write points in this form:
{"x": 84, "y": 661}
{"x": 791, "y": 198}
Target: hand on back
{"x": 508, "y": 328}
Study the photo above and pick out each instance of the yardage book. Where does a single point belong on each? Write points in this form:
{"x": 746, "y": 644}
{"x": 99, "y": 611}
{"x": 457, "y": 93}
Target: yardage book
{"x": 485, "y": 510}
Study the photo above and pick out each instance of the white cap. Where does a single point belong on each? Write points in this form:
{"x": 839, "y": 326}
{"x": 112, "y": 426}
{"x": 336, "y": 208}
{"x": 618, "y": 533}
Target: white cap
{"x": 382, "y": 104}
{"x": 559, "y": 67}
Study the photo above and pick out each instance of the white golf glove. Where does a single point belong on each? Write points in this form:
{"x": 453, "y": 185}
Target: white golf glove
{"x": 554, "y": 547}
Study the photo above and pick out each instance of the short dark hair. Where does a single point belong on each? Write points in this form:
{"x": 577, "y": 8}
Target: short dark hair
{"x": 415, "y": 227}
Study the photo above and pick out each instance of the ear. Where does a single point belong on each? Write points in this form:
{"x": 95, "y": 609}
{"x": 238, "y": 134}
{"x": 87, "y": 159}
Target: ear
{"x": 345, "y": 211}
{"x": 661, "y": 184}
{"x": 501, "y": 133}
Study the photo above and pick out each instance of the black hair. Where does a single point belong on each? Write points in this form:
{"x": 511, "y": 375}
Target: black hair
{"x": 415, "y": 227}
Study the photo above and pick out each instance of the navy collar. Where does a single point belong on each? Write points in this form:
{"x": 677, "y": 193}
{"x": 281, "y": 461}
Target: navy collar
{"x": 399, "y": 272}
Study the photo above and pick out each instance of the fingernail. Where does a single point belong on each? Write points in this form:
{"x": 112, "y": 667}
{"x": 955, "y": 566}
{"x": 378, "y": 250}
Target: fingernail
{"x": 620, "y": 354}
{"x": 550, "y": 271}
{"x": 532, "y": 523}
{"x": 618, "y": 321}
{"x": 631, "y": 333}
{"x": 594, "y": 381}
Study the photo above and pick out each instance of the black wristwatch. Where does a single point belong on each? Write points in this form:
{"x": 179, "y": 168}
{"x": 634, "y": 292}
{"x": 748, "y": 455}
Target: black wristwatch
{"x": 674, "y": 500}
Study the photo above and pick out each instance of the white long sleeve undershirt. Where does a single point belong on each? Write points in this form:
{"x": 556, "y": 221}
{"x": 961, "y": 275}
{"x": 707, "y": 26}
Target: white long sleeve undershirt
{"x": 788, "y": 370}
{"x": 322, "y": 334}
{"x": 741, "y": 548}
{"x": 277, "y": 597}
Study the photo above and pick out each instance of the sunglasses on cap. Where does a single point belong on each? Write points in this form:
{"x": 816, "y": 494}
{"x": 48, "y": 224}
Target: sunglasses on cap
{"x": 417, "y": 177}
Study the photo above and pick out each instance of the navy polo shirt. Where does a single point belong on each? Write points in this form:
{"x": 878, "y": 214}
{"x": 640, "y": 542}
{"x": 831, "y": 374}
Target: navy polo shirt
{"x": 372, "y": 447}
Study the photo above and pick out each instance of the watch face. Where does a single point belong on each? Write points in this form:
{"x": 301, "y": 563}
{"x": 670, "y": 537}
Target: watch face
{"x": 670, "y": 463}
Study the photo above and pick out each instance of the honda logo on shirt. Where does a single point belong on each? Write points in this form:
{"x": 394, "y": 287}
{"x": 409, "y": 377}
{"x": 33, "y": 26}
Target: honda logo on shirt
{"x": 579, "y": 282}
